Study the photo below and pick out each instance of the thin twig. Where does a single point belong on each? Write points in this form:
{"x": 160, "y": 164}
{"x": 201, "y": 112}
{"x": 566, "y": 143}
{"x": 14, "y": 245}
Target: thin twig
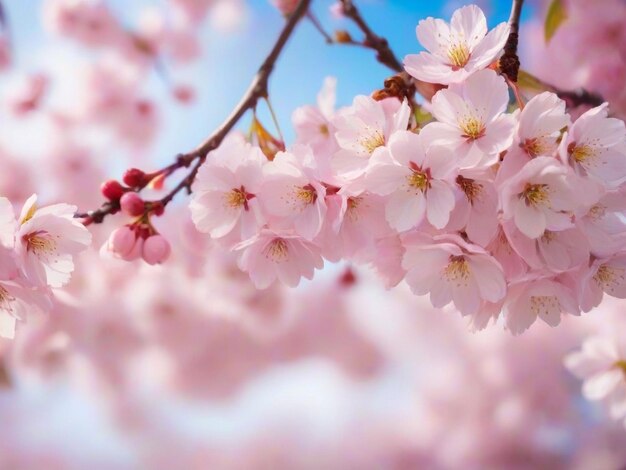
{"x": 384, "y": 54}
{"x": 256, "y": 91}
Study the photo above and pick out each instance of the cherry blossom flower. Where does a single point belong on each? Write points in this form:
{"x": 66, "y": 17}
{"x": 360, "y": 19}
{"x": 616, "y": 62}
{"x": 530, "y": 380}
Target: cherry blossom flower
{"x": 604, "y": 226}
{"x": 224, "y": 200}
{"x": 557, "y": 251}
{"x": 16, "y": 302}
{"x": 456, "y": 50}
{"x": 354, "y": 222}
{"x": 542, "y": 298}
{"x": 417, "y": 180}
{"x": 314, "y": 127}
{"x": 540, "y": 125}
{"x": 47, "y": 240}
{"x": 596, "y": 145}
{"x": 542, "y": 196}
{"x": 606, "y": 275}
{"x": 452, "y": 270}
{"x": 471, "y": 120}
{"x": 269, "y": 256}
{"x": 601, "y": 363}
{"x": 475, "y": 209}
{"x": 292, "y": 193}
{"x": 363, "y": 130}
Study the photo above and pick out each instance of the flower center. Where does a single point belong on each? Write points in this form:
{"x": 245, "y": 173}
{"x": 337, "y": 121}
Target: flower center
{"x": 459, "y": 55}
{"x": 237, "y": 198}
{"x": 536, "y": 194}
{"x": 306, "y": 194}
{"x": 6, "y": 300}
{"x": 597, "y": 212}
{"x": 470, "y": 187}
{"x": 621, "y": 364}
{"x": 472, "y": 128}
{"x": 277, "y": 251}
{"x": 609, "y": 277}
{"x": 324, "y": 130}
{"x": 545, "y": 304}
{"x": 548, "y": 236}
{"x": 457, "y": 270}
{"x": 580, "y": 153}
{"x": 353, "y": 207}
{"x": 40, "y": 243}
{"x": 535, "y": 147}
{"x": 372, "y": 141}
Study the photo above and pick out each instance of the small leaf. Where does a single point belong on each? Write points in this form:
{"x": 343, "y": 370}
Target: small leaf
{"x": 555, "y": 18}
{"x": 528, "y": 82}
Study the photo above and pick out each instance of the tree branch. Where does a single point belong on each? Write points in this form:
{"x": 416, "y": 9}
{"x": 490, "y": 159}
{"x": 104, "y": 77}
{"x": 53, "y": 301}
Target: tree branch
{"x": 257, "y": 90}
{"x": 509, "y": 62}
{"x": 383, "y": 52}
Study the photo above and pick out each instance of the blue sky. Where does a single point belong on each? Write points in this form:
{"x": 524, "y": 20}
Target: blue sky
{"x": 230, "y": 60}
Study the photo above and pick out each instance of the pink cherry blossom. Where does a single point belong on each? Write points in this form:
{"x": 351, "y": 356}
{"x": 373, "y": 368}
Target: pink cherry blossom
{"x": 286, "y": 7}
{"x": 314, "y": 127}
{"x": 269, "y": 256}
{"x": 556, "y": 251}
{"x": 471, "y": 120}
{"x": 606, "y": 275}
{"x": 453, "y": 271}
{"x": 417, "y": 180}
{"x": 475, "y": 209}
{"x": 363, "y": 130}
{"x": 355, "y": 221}
{"x": 542, "y": 196}
{"x": 224, "y": 200}
{"x": 292, "y": 192}
{"x": 604, "y": 225}
{"x": 543, "y": 298}
{"x": 601, "y": 363}
{"x": 456, "y": 50}
{"x": 540, "y": 125}
{"x": 47, "y": 241}
{"x": 16, "y": 302}
{"x": 596, "y": 145}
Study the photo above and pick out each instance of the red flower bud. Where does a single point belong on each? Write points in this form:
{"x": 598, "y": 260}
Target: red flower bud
{"x": 134, "y": 177}
{"x": 112, "y": 190}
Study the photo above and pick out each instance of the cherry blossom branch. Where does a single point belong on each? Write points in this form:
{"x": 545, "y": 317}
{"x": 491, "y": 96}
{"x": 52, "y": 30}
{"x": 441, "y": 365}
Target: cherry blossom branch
{"x": 257, "y": 90}
{"x": 509, "y": 62}
{"x": 384, "y": 54}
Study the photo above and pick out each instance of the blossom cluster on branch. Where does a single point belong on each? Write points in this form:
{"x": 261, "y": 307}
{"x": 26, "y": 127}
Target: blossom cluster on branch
{"x": 491, "y": 209}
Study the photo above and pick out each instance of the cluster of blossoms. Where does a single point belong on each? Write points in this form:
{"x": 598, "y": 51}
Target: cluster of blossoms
{"x": 36, "y": 254}
{"x": 493, "y": 211}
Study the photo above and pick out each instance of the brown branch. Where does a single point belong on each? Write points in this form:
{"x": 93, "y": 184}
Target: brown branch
{"x": 509, "y": 62}
{"x": 256, "y": 91}
{"x": 384, "y": 54}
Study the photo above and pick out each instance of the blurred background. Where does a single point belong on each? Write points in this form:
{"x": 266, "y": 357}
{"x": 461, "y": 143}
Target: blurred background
{"x": 187, "y": 365}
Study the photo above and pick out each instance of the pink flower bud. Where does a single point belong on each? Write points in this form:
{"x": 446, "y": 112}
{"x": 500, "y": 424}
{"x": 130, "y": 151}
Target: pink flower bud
{"x": 156, "y": 249}
{"x": 136, "y": 252}
{"x": 132, "y": 204}
{"x": 122, "y": 241}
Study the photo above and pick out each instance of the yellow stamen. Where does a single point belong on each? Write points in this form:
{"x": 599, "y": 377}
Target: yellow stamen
{"x": 419, "y": 180}
{"x": 581, "y": 153}
{"x": 372, "y": 141}
{"x": 457, "y": 270}
{"x": 472, "y": 128}
{"x": 459, "y": 55}
{"x": 609, "y": 278}
{"x": 277, "y": 251}
{"x": 536, "y": 194}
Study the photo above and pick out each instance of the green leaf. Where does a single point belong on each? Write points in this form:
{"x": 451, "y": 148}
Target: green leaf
{"x": 557, "y": 14}
{"x": 529, "y": 82}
